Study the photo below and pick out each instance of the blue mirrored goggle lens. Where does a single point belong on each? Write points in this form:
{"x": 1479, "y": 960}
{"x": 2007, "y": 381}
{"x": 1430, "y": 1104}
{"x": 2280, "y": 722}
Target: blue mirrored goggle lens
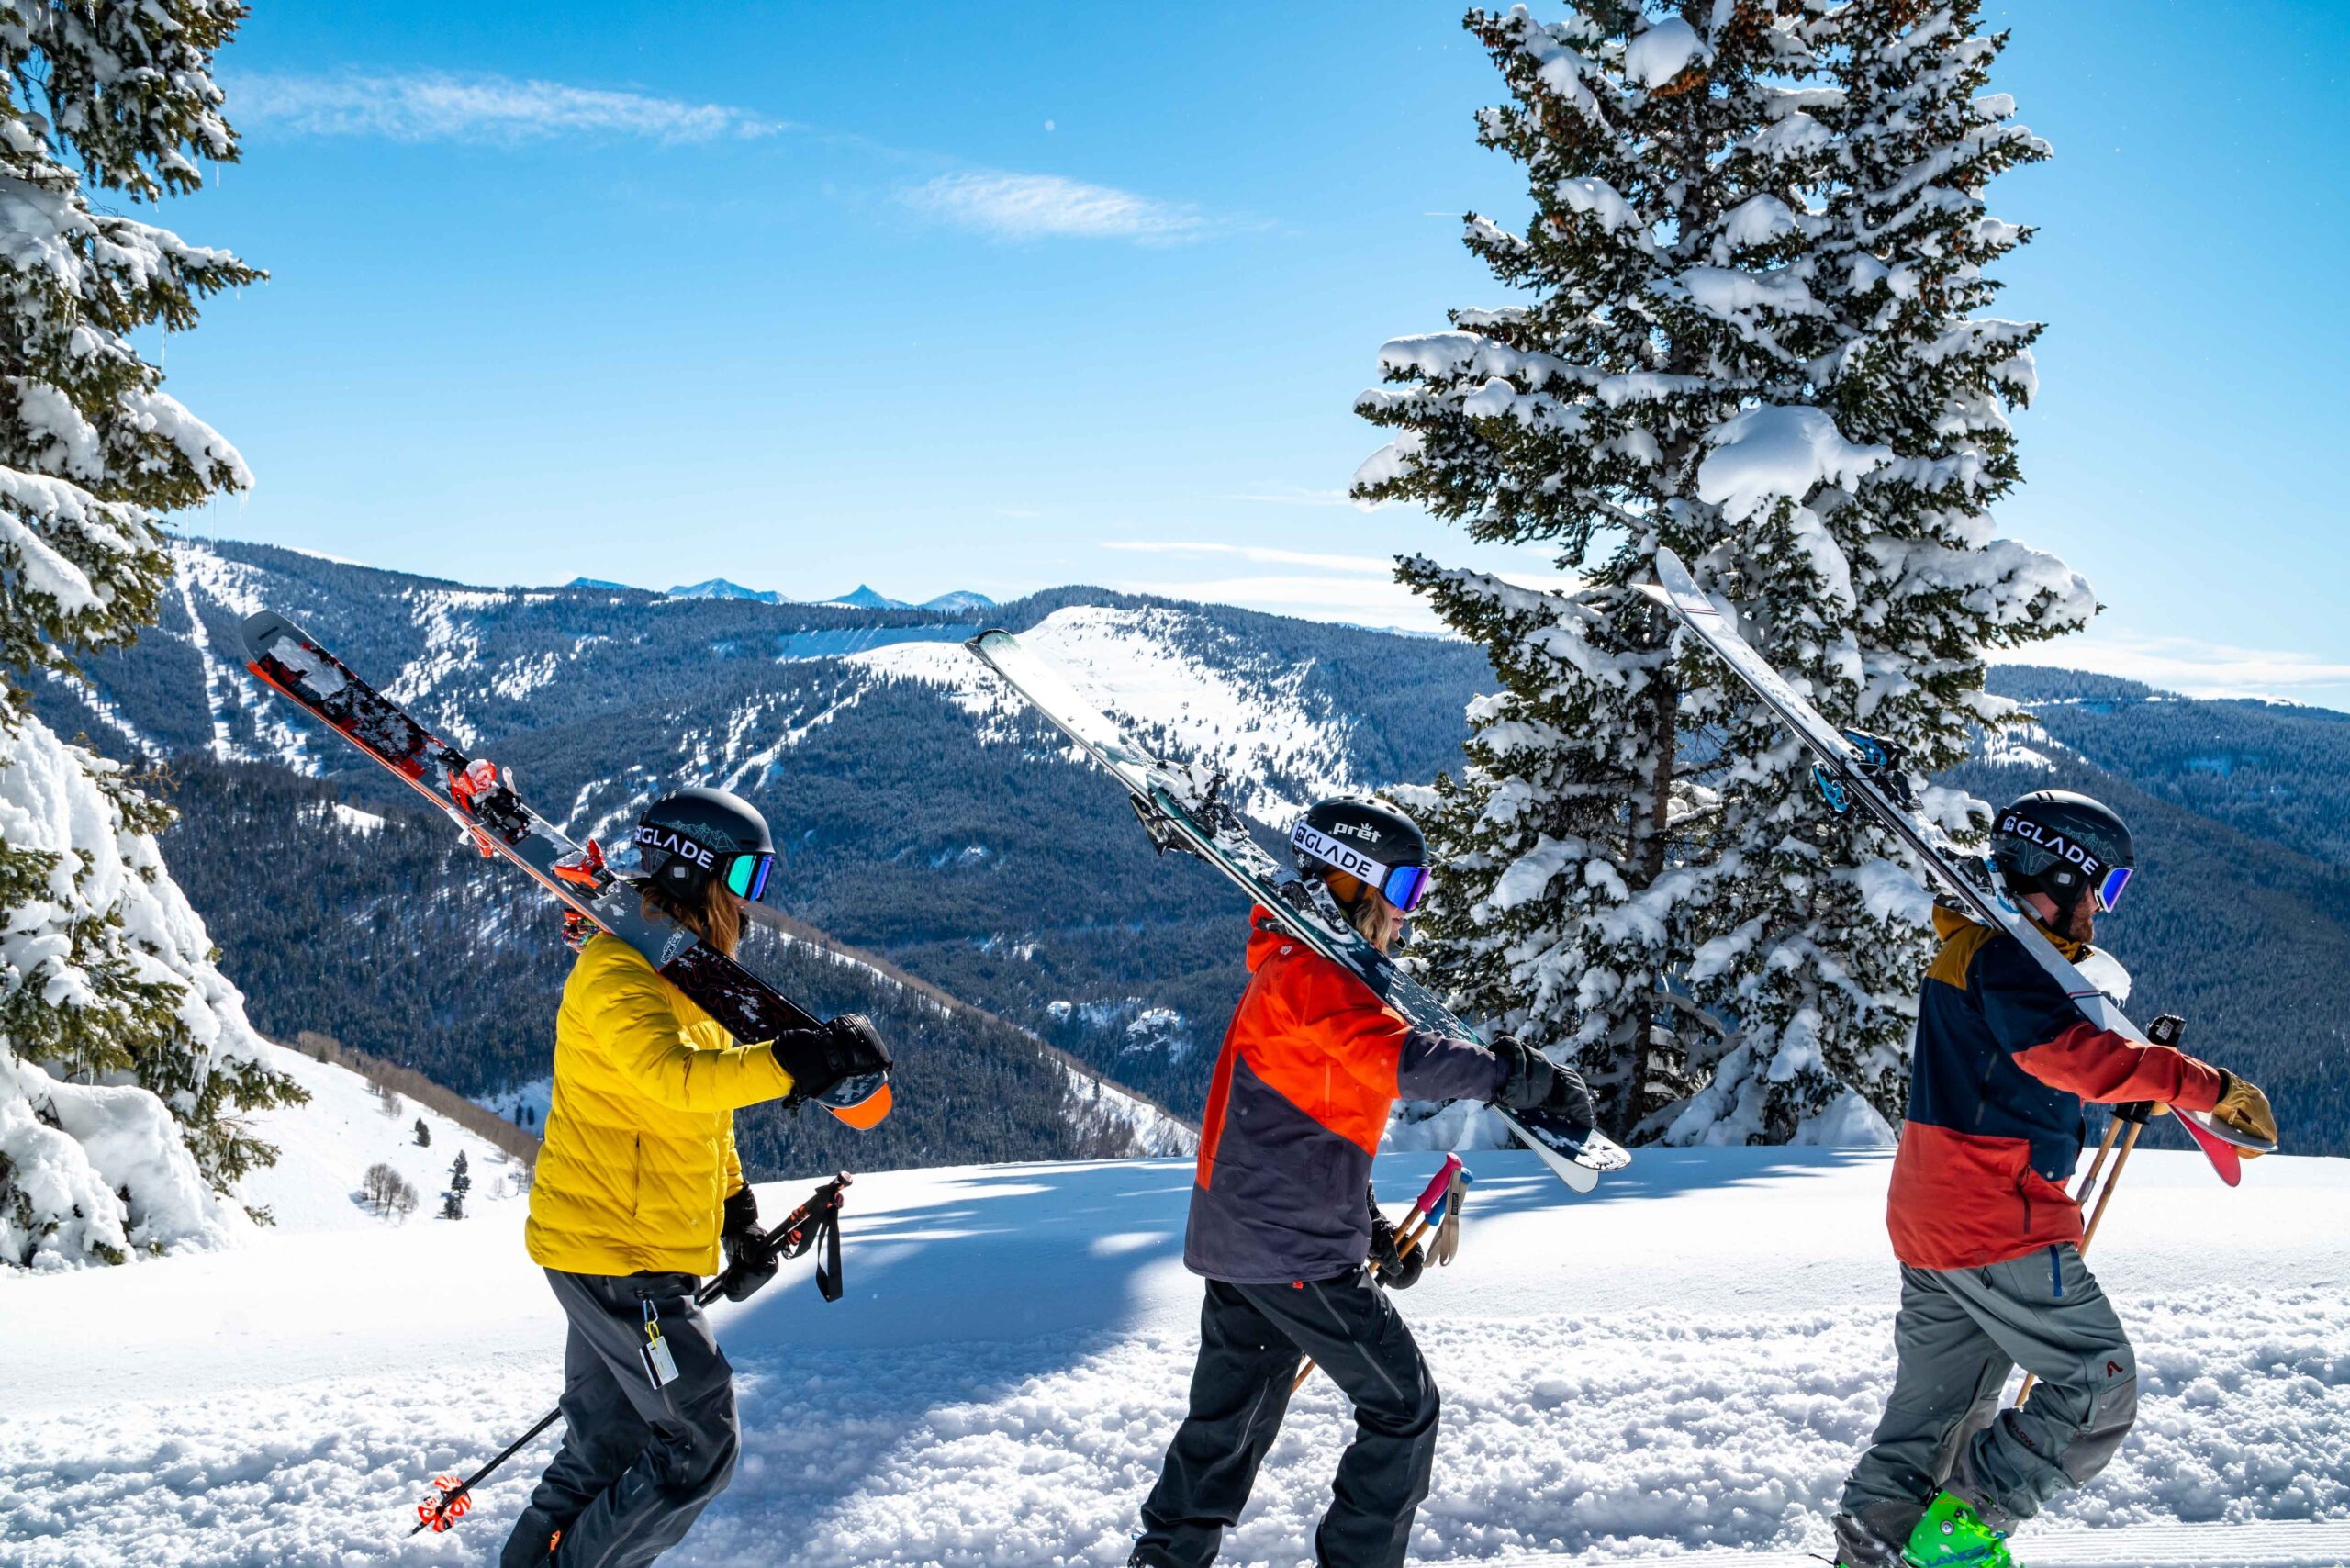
{"x": 747, "y": 877}
{"x": 2109, "y": 891}
{"x": 1406, "y": 886}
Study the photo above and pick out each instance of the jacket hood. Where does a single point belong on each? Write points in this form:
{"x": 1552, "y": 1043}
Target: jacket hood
{"x": 1949, "y": 923}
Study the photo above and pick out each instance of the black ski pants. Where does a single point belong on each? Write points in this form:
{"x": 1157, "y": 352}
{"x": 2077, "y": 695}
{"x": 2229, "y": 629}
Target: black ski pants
{"x": 1251, "y": 1338}
{"x": 638, "y": 1463}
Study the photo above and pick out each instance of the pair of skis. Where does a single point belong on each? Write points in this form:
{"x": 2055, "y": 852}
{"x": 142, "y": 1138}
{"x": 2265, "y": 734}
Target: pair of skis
{"x": 1856, "y": 769}
{"x": 481, "y": 799}
{"x": 1181, "y": 809}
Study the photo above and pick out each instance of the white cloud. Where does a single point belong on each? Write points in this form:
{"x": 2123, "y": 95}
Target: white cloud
{"x": 1299, "y": 496}
{"x": 440, "y": 106}
{"x": 1358, "y": 589}
{"x": 1034, "y": 207}
{"x": 2189, "y": 665}
{"x": 1375, "y": 566}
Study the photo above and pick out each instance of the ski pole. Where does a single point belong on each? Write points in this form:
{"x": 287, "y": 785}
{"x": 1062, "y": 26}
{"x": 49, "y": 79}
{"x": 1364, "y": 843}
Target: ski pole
{"x": 2137, "y": 1114}
{"x": 2089, "y": 1182}
{"x": 1408, "y": 1237}
{"x": 817, "y": 1220}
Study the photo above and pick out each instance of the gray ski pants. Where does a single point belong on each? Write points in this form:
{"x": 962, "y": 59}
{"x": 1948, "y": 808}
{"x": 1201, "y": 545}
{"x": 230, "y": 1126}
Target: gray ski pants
{"x": 1250, "y": 1341}
{"x": 1959, "y": 1333}
{"x": 638, "y": 1463}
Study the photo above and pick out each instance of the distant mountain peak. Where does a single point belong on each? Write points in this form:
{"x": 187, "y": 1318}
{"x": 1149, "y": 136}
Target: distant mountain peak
{"x": 603, "y": 584}
{"x": 863, "y": 597}
{"x": 866, "y": 597}
{"x": 719, "y": 588}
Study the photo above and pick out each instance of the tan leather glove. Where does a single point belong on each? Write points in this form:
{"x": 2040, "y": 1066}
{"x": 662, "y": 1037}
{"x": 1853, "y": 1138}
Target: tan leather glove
{"x": 2244, "y": 1107}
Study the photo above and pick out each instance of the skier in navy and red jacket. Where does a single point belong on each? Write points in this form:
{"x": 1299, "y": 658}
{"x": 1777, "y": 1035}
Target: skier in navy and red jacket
{"x": 1283, "y": 1223}
{"x": 1987, "y": 1236}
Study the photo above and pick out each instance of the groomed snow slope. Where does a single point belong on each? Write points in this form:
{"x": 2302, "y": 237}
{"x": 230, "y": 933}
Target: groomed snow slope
{"x": 1679, "y": 1367}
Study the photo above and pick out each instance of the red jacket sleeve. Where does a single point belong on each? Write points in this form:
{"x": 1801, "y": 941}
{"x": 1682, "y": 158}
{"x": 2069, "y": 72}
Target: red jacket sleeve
{"x": 2102, "y": 1065}
{"x": 1383, "y": 1053}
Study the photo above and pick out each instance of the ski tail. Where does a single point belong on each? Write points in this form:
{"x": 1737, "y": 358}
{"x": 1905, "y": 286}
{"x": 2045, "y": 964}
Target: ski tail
{"x": 2224, "y": 1154}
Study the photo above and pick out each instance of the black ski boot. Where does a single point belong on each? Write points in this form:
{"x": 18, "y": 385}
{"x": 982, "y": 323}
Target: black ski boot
{"x": 1860, "y": 1544}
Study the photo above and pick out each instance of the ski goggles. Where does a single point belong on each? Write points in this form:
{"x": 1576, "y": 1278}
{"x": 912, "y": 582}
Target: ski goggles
{"x": 1402, "y": 885}
{"x": 747, "y": 875}
{"x": 2108, "y": 889}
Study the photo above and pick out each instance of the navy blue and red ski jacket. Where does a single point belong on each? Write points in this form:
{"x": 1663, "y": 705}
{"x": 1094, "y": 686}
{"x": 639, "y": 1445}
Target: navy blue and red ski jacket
{"x": 2003, "y": 1065}
{"x": 1311, "y": 1066}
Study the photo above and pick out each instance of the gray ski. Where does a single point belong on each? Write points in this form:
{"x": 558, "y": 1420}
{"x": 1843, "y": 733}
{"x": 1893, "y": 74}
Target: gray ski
{"x": 1180, "y": 810}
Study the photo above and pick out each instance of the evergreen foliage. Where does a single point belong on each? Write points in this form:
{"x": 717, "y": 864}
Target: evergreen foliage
{"x": 423, "y": 1134}
{"x": 461, "y": 1182}
{"x": 1751, "y": 332}
{"x": 104, "y": 978}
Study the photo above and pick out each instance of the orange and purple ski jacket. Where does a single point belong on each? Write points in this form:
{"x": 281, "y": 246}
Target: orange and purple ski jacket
{"x": 1311, "y": 1066}
{"x": 2003, "y": 1065}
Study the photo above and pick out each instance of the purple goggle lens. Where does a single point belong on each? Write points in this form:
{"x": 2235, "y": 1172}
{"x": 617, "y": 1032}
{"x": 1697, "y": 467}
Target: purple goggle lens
{"x": 1406, "y": 886}
{"x": 2109, "y": 891}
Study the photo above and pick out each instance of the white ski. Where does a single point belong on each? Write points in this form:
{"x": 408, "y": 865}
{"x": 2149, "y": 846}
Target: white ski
{"x": 1180, "y": 811}
{"x": 1854, "y": 767}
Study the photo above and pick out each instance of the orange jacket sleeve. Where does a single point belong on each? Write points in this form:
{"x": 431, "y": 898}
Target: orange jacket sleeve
{"x": 2102, "y": 1065}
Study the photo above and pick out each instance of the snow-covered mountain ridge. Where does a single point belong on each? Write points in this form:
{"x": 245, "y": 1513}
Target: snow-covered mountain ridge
{"x": 928, "y": 820}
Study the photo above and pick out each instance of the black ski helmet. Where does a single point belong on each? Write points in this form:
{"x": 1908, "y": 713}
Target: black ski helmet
{"x": 685, "y": 840}
{"x": 2065, "y": 845}
{"x": 1373, "y": 843}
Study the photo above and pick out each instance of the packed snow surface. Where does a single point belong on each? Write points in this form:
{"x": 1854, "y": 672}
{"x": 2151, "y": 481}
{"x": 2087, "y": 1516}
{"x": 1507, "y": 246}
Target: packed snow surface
{"x": 1680, "y": 1367}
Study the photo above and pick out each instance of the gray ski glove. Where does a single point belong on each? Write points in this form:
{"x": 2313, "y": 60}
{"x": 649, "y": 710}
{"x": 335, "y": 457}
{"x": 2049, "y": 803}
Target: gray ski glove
{"x": 749, "y": 1263}
{"x": 1529, "y": 1077}
{"x": 1571, "y": 1098}
{"x": 1391, "y": 1266}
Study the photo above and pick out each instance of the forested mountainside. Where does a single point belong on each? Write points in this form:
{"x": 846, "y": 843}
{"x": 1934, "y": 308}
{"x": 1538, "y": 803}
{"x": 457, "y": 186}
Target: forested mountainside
{"x": 927, "y": 818}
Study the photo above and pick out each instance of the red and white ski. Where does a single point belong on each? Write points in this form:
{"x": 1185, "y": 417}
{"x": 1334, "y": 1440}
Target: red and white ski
{"x": 480, "y": 798}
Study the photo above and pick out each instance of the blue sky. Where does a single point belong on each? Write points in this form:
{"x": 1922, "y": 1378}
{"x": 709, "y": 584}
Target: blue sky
{"x": 999, "y": 296}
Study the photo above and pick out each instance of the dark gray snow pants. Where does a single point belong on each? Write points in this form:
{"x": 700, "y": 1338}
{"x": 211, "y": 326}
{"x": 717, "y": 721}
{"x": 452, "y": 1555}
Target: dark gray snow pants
{"x": 1251, "y": 1338}
{"x": 1959, "y": 1333}
{"x": 638, "y": 1463}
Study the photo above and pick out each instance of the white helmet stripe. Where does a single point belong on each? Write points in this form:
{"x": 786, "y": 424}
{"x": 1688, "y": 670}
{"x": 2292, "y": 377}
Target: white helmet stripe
{"x": 1334, "y": 852}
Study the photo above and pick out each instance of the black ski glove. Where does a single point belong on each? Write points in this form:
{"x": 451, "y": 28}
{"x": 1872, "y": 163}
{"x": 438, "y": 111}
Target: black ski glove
{"x": 1390, "y": 1265}
{"x": 749, "y": 1263}
{"x": 1530, "y": 1074}
{"x": 1569, "y": 1097}
{"x": 847, "y": 1046}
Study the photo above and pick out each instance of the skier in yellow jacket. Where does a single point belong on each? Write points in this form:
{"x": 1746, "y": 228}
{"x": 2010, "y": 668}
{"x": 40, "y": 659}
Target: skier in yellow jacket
{"x": 639, "y": 1192}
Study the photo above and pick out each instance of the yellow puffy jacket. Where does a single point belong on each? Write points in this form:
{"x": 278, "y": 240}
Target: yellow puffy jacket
{"x": 639, "y": 1157}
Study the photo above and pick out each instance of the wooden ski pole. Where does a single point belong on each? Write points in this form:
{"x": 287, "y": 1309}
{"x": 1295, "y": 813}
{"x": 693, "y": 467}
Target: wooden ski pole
{"x": 1408, "y": 1237}
{"x": 2137, "y": 1115}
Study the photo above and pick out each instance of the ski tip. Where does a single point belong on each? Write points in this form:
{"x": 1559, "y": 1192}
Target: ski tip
{"x": 265, "y": 627}
{"x": 993, "y": 637}
{"x": 862, "y": 1102}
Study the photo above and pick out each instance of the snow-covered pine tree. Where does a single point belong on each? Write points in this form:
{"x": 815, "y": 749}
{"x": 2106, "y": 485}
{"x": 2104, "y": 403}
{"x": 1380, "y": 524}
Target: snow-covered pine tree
{"x": 461, "y": 1182}
{"x": 124, "y": 1055}
{"x": 1748, "y": 331}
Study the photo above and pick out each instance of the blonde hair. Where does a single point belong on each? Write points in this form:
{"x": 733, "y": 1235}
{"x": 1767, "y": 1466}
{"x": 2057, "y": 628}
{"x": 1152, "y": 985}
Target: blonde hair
{"x": 714, "y": 915}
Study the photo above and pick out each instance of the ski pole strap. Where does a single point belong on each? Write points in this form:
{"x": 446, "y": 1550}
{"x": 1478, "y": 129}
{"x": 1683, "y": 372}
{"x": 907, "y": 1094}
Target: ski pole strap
{"x": 816, "y": 1223}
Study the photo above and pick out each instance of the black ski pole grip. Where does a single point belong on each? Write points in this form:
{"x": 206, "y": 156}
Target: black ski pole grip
{"x": 2138, "y": 1111}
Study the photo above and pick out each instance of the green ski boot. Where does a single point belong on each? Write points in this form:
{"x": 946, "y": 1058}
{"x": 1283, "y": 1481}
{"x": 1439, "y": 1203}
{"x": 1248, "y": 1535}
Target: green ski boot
{"x": 1953, "y": 1535}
